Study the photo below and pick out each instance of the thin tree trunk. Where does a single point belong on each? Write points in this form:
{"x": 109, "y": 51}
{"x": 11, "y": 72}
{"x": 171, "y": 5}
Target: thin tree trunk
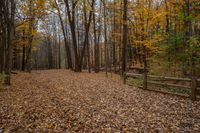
{"x": 125, "y": 38}
{"x": 23, "y": 58}
{"x": 30, "y": 38}
{"x": 59, "y": 54}
{"x": 68, "y": 51}
{"x": 167, "y": 17}
{"x": 87, "y": 28}
{"x": 2, "y": 51}
{"x": 105, "y": 37}
{"x": 96, "y": 45}
{"x": 50, "y": 55}
{"x": 71, "y": 18}
{"x": 88, "y": 53}
{"x": 114, "y": 49}
{"x": 145, "y": 68}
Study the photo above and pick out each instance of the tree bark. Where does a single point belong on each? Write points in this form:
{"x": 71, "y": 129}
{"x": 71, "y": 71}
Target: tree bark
{"x": 125, "y": 38}
{"x": 71, "y": 18}
{"x": 30, "y": 37}
{"x": 105, "y": 37}
{"x": 10, "y": 35}
{"x": 87, "y": 28}
{"x": 59, "y": 54}
{"x": 68, "y": 51}
{"x": 96, "y": 45}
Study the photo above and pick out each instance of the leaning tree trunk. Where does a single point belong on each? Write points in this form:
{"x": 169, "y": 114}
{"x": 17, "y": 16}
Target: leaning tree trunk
{"x": 86, "y": 40}
{"x": 68, "y": 52}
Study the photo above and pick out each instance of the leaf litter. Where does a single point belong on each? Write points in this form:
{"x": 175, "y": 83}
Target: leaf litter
{"x": 65, "y": 101}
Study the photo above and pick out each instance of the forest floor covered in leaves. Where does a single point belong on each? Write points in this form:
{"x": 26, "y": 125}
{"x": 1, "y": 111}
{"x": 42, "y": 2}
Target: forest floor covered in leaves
{"x": 65, "y": 101}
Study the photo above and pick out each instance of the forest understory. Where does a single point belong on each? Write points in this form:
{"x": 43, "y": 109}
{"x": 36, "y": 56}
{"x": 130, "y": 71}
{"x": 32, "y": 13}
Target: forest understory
{"x": 65, "y": 101}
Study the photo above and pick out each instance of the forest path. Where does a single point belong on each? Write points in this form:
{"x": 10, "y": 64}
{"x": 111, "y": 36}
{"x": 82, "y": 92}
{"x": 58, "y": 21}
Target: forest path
{"x": 64, "y": 101}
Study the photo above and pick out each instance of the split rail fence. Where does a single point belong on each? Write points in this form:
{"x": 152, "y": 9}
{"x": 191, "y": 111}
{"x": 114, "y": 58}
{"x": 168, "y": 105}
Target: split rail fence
{"x": 192, "y": 83}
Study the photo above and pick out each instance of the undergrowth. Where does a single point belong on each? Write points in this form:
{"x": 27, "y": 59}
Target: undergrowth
{"x": 2, "y": 78}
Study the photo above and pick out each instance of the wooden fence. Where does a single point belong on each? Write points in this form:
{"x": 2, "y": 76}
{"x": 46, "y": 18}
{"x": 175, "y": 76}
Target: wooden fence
{"x": 192, "y": 83}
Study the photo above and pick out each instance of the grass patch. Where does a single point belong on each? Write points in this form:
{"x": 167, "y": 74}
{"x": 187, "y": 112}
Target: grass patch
{"x": 136, "y": 81}
{"x": 173, "y": 90}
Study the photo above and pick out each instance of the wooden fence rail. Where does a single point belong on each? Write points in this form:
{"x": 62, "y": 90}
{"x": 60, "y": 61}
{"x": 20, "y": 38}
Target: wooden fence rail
{"x": 193, "y": 82}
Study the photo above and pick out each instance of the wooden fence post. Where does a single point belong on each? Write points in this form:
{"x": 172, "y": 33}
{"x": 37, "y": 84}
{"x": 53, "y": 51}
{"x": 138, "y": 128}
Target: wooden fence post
{"x": 193, "y": 78}
{"x": 145, "y": 79}
{"x": 193, "y": 88}
{"x": 145, "y": 72}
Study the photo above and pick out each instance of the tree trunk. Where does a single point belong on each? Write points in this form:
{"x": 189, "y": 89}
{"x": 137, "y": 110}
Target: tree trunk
{"x": 68, "y": 51}
{"x": 23, "y": 58}
{"x": 125, "y": 38}
{"x": 59, "y": 54}
{"x": 96, "y": 45}
{"x": 50, "y": 55}
{"x": 145, "y": 68}
{"x": 167, "y": 17}
{"x": 105, "y": 37}
{"x": 71, "y": 17}
{"x": 87, "y": 28}
{"x": 10, "y": 36}
{"x": 114, "y": 51}
{"x": 30, "y": 38}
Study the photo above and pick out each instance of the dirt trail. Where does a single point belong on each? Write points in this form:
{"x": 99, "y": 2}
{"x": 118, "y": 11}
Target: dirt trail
{"x": 64, "y": 101}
